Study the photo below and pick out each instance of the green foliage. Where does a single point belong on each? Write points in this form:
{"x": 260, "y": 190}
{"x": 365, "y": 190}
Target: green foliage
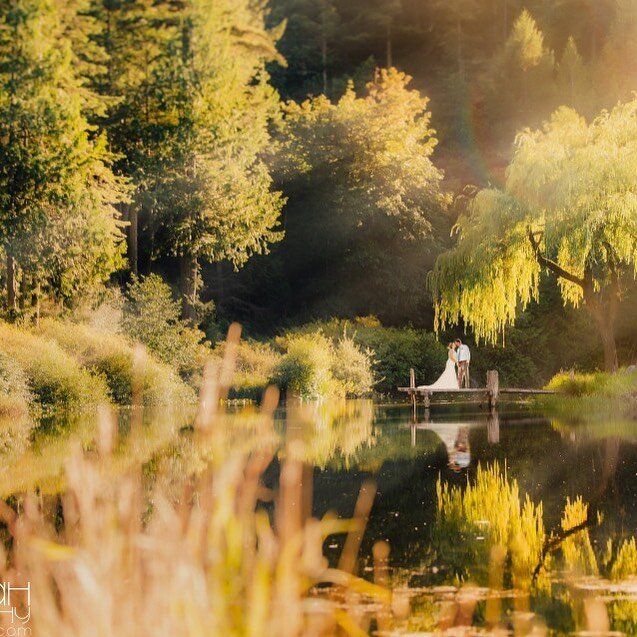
{"x": 393, "y": 351}
{"x": 112, "y": 357}
{"x": 57, "y": 190}
{"x": 255, "y": 365}
{"x": 616, "y": 65}
{"x": 315, "y": 367}
{"x": 574, "y": 384}
{"x": 151, "y": 316}
{"x": 305, "y": 368}
{"x": 352, "y": 368}
{"x": 55, "y": 379}
{"x": 623, "y": 616}
{"x": 201, "y": 179}
{"x": 600, "y": 385}
{"x": 577, "y": 551}
{"x": 526, "y": 42}
{"x": 470, "y": 522}
{"x": 375, "y": 151}
{"x": 547, "y": 216}
{"x": 335, "y": 432}
{"x": 15, "y": 396}
{"x": 365, "y": 199}
{"x": 311, "y": 30}
{"x": 625, "y": 564}
{"x": 573, "y": 77}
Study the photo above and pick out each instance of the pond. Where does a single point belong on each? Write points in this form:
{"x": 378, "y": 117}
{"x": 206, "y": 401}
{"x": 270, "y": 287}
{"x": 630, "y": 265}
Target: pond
{"x": 566, "y": 491}
{"x": 511, "y": 521}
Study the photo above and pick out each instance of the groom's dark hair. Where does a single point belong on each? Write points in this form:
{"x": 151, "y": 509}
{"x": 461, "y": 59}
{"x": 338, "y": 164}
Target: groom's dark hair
{"x": 458, "y": 341}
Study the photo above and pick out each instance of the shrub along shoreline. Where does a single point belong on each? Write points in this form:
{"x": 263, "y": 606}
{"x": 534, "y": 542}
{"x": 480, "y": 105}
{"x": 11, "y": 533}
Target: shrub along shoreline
{"x": 593, "y": 395}
{"x": 72, "y": 367}
{"x": 337, "y": 358}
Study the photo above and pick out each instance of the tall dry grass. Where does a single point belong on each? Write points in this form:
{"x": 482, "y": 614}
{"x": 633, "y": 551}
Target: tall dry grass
{"x": 208, "y": 562}
{"x": 209, "y": 551}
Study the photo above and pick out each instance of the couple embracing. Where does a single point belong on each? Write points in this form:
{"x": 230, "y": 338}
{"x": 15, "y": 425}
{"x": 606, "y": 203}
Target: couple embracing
{"x": 458, "y": 355}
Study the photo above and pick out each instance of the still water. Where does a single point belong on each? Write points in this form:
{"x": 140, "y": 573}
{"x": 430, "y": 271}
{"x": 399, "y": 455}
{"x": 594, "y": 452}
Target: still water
{"x": 515, "y": 521}
{"x": 535, "y": 512}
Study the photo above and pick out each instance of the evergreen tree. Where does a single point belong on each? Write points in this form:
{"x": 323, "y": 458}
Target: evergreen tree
{"x": 367, "y": 25}
{"x": 617, "y": 67}
{"x": 132, "y": 34}
{"x": 573, "y": 79}
{"x": 58, "y": 225}
{"x": 208, "y": 188}
{"x": 312, "y": 28}
{"x": 519, "y": 86}
{"x": 460, "y": 19}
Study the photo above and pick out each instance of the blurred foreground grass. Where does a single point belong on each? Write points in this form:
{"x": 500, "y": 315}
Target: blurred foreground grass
{"x": 163, "y": 525}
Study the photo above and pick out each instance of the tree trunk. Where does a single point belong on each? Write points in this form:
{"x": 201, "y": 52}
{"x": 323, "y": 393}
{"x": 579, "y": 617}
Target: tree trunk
{"x": 35, "y": 302}
{"x": 188, "y": 275}
{"x": 607, "y": 332}
{"x": 605, "y": 316}
{"x": 602, "y": 304}
{"x": 133, "y": 218}
{"x": 11, "y": 297}
{"x": 324, "y": 62}
{"x": 24, "y": 290}
{"x": 390, "y": 62}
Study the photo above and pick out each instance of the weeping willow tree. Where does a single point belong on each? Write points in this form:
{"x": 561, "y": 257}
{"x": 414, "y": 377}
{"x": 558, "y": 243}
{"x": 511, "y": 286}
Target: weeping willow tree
{"x": 569, "y": 207}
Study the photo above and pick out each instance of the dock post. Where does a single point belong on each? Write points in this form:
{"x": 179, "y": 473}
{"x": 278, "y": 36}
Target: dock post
{"x": 493, "y": 387}
{"x": 412, "y": 392}
{"x": 427, "y": 400}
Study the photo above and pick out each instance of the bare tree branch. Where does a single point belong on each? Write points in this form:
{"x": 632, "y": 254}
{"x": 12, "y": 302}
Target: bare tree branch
{"x": 551, "y": 265}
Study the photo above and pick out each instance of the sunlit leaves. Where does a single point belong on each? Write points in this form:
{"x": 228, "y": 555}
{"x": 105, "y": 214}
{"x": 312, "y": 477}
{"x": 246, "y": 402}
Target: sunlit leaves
{"x": 204, "y": 177}
{"x": 57, "y": 190}
{"x": 374, "y": 151}
{"x": 526, "y": 42}
{"x": 488, "y": 513}
{"x": 572, "y": 185}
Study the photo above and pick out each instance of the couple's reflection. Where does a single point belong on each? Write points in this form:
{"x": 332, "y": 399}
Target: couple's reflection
{"x": 455, "y": 436}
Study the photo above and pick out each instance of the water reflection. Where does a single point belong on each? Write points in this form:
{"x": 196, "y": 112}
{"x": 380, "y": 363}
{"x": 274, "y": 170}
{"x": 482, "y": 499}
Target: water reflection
{"x": 510, "y": 520}
{"x": 33, "y": 454}
{"x": 536, "y": 519}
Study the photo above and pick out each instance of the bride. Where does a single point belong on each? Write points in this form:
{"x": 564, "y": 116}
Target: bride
{"x": 448, "y": 379}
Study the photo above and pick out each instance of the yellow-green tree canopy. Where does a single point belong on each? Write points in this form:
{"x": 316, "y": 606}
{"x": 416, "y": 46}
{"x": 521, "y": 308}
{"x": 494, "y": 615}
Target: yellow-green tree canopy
{"x": 568, "y": 205}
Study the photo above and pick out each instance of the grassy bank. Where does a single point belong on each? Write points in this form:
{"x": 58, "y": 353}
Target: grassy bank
{"x": 113, "y": 358}
{"x": 53, "y": 377}
{"x": 309, "y": 365}
{"x": 363, "y": 356}
{"x": 593, "y": 395}
{"x": 70, "y": 367}
{"x": 337, "y": 358}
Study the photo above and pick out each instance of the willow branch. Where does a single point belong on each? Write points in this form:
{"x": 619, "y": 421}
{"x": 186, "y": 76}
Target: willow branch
{"x": 556, "y": 540}
{"x": 550, "y": 264}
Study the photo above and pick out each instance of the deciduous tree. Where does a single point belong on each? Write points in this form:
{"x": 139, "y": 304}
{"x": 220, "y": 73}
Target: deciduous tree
{"x": 205, "y": 181}
{"x": 364, "y": 194}
{"x": 569, "y": 208}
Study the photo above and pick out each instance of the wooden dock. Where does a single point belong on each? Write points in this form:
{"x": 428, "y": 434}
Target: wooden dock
{"x": 490, "y": 394}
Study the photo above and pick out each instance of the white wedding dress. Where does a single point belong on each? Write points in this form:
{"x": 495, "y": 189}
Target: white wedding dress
{"x": 448, "y": 379}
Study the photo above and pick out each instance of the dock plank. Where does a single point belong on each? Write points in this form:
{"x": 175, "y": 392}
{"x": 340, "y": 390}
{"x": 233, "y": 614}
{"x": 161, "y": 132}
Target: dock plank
{"x": 492, "y": 392}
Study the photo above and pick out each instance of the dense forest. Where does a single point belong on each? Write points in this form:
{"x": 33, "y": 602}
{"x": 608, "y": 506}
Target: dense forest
{"x": 432, "y": 164}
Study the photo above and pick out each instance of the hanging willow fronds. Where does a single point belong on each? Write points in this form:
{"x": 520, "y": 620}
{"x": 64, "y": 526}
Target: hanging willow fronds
{"x": 569, "y": 205}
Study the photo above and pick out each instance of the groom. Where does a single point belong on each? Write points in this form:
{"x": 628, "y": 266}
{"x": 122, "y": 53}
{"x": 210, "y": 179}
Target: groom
{"x": 463, "y": 355}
